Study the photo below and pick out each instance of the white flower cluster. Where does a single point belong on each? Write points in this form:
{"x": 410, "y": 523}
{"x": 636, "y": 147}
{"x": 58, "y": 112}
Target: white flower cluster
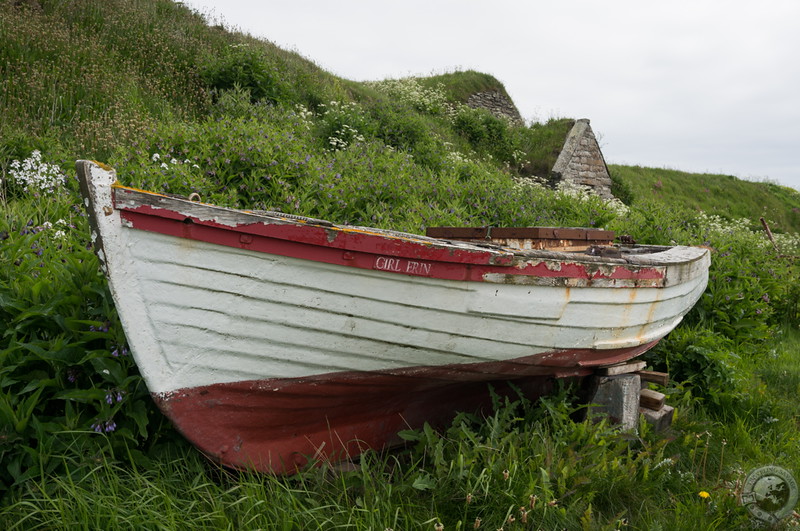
{"x": 346, "y": 134}
{"x": 61, "y": 226}
{"x": 529, "y": 182}
{"x": 156, "y": 157}
{"x": 37, "y": 176}
{"x": 343, "y": 136}
{"x": 585, "y": 193}
{"x": 718, "y": 225}
{"x": 409, "y": 90}
{"x": 456, "y": 158}
{"x": 714, "y": 224}
{"x": 337, "y": 107}
{"x": 304, "y": 115}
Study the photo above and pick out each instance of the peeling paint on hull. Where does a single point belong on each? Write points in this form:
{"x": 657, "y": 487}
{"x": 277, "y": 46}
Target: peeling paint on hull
{"x": 279, "y": 425}
{"x": 268, "y": 338}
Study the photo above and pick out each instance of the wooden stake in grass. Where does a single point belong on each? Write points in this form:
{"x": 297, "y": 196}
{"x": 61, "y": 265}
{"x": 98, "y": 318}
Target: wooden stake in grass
{"x": 705, "y": 454}
{"x": 721, "y": 459}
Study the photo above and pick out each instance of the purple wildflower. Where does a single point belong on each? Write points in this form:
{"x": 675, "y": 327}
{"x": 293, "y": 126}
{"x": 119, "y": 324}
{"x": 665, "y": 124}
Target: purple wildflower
{"x": 114, "y": 395}
{"x": 104, "y": 426}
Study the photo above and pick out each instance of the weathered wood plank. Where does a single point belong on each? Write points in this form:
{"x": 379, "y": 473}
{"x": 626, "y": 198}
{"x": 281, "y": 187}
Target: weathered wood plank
{"x": 651, "y": 399}
{"x": 660, "y": 378}
{"x": 624, "y": 368}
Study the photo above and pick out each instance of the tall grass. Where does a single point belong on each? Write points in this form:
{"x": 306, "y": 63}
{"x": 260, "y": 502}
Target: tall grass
{"x": 723, "y": 195}
{"x": 523, "y": 467}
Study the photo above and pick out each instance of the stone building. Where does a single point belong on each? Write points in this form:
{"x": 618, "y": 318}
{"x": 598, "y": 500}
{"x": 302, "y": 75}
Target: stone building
{"x": 581, "y": 162}
{"x": 497, "y": 103}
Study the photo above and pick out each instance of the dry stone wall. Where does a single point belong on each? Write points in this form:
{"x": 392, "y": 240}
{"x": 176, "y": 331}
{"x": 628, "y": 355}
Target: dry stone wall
{"x": 581, "y": 162}
{"x": 497, "y": 103}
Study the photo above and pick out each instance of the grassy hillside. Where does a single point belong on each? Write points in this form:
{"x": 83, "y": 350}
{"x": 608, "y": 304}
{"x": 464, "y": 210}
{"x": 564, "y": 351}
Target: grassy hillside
{"x": 722, "y": 195}
{"x": 90, "y": 79}
{"x": 178, "y": 106}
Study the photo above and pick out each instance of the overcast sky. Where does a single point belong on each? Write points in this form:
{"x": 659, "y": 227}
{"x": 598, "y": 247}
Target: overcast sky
{"x": 695, "y": 85}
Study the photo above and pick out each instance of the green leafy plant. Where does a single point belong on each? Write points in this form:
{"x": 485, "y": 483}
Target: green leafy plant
{"x": 247, "y": 68}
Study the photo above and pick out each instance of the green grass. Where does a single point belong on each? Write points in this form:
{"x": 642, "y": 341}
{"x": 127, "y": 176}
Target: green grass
{"x": 461, "y": 85}
{"x": 530, "y": 462}
{"x": 723, "y": 195}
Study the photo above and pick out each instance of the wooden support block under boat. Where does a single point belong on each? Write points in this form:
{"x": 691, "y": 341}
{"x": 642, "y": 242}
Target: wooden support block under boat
{"x": 660, "y": 378}
{"x": 660, "y": 419}
{"x": 651, "y": 399}
{"x": 622, "y": 368}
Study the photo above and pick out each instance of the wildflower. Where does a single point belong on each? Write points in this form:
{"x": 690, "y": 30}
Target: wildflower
{"x": 506, "y": 474}
{"x": 156, "y": 157}
{"x": 117, "y": 352}
{"x": 477, "y": 523}
{"x": 438, "y": 526}
{"x": 469, "y": 497}
{"x": 532, "y": 501}
{"x": 703, "y": 494}
{"x": 114, "y": 395}
{"x": 35, "y": 175}
{"x": 104, "y": 426}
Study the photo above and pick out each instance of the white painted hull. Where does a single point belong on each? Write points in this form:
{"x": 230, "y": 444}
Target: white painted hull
{"x": 240, "y": 315}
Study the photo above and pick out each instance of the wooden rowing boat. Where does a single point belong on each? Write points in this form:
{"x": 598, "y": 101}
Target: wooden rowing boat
{"x": 271, "y": 340}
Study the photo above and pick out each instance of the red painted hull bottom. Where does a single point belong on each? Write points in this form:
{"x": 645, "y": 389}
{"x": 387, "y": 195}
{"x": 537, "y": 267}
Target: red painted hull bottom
{"x": 280, "y": 425}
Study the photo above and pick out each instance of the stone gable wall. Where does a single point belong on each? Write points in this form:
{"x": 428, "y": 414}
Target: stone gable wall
{"x": 497, "y": 103}
{"x": 581, "y": 162}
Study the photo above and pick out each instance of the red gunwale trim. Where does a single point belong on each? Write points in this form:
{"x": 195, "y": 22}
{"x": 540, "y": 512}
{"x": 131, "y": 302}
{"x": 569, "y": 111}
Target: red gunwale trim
{"x": 365, "y": 250}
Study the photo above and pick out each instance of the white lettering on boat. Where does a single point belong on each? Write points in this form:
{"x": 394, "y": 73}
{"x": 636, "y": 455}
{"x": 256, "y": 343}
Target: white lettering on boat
{"x": 402, "y": 265}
